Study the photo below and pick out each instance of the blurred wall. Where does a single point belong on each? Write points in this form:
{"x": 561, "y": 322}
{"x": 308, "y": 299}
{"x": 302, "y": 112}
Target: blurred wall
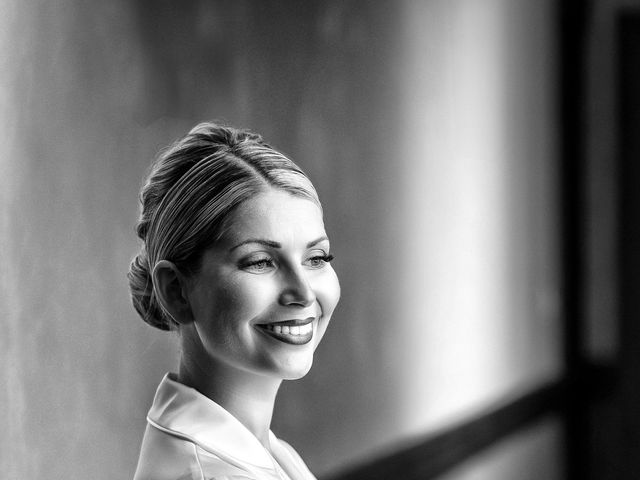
{"x": 429, "y": 131}
{"x": 479, "y": 296}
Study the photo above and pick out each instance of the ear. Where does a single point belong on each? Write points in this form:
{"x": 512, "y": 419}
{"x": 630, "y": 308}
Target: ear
{"x": 170, "y": 287}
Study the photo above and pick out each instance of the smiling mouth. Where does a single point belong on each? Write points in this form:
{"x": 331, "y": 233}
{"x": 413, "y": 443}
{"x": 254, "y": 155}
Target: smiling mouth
{"x": 293, "y": 332}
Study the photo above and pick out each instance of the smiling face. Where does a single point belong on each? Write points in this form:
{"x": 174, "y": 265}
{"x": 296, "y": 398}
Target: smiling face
{"x": 265, "y": 291}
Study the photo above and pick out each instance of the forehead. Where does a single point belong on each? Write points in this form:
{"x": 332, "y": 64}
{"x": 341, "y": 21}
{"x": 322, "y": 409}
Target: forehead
{"x": 275, "y": 215}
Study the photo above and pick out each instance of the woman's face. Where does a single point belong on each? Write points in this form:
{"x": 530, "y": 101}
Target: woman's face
{"x": 265, "y": 292}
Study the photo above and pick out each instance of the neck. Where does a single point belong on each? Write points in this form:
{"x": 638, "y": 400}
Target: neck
{"x": 247, "y": 396}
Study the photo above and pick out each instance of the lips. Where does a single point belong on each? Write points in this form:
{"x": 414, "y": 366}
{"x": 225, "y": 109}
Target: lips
{"x": 293, "y": 332}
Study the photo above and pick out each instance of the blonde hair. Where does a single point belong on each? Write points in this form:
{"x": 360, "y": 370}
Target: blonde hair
{"x": 192, "y": 188}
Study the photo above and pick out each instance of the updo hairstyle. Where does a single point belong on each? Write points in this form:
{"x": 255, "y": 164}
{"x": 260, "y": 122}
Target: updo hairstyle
{"x": 192, "y": 188}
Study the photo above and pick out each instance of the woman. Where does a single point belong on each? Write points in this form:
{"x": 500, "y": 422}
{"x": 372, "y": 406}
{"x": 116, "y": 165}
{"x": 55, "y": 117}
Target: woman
{"x": 235, "y": 259}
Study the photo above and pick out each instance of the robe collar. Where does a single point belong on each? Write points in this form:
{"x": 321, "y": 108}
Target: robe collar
{"x": 184, "y": 412}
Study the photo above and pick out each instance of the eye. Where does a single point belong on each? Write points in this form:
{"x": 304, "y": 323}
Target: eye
{"x": 319, "y": 261}
{"x": 258, "y": 265}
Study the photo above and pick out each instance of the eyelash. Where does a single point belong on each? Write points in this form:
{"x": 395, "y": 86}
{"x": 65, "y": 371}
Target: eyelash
{"x": 324, "y": 258}
{"x": 268, "y": 262}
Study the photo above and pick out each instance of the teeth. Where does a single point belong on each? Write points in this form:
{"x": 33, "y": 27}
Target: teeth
{"x": 292, "y": 330}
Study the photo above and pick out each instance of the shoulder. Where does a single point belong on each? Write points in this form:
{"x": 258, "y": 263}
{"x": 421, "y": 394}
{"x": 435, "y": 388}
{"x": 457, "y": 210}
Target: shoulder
{"x": 168, "y": 457}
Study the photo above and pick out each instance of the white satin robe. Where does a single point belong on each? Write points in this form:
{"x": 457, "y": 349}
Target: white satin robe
{"x": 190, "y": 437}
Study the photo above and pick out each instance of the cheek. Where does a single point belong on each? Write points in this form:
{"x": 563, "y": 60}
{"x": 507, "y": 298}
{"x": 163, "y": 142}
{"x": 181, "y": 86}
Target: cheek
{"x": 328, "y": 292}
{"x": 239, "y": 302}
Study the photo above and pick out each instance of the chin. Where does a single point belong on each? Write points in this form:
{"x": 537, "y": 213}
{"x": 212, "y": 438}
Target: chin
{"x": 296, "y": 375}
{"x": 295, "y": 371}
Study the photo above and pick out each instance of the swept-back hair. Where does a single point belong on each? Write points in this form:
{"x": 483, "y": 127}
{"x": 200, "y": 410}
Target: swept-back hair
{"x": 192, "y": 188}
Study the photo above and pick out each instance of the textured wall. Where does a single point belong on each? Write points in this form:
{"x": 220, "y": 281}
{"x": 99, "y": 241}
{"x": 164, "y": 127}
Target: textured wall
{"x": 421, "y": 127}
{"x": 78, "y": 367}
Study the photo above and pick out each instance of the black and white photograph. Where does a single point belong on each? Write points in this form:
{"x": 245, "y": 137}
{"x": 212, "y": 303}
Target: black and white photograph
{"x": 320, "y": 239}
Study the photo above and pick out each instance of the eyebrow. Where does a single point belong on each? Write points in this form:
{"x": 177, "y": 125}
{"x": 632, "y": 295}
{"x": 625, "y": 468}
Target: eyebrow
{"x": 272, "y": 244}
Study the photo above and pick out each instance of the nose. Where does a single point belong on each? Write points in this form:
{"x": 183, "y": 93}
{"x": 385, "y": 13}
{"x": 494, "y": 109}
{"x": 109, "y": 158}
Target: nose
{"x": 297, "y": 290}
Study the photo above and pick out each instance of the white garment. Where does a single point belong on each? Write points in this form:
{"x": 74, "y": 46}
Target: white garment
{"x": 190, "y": 437}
